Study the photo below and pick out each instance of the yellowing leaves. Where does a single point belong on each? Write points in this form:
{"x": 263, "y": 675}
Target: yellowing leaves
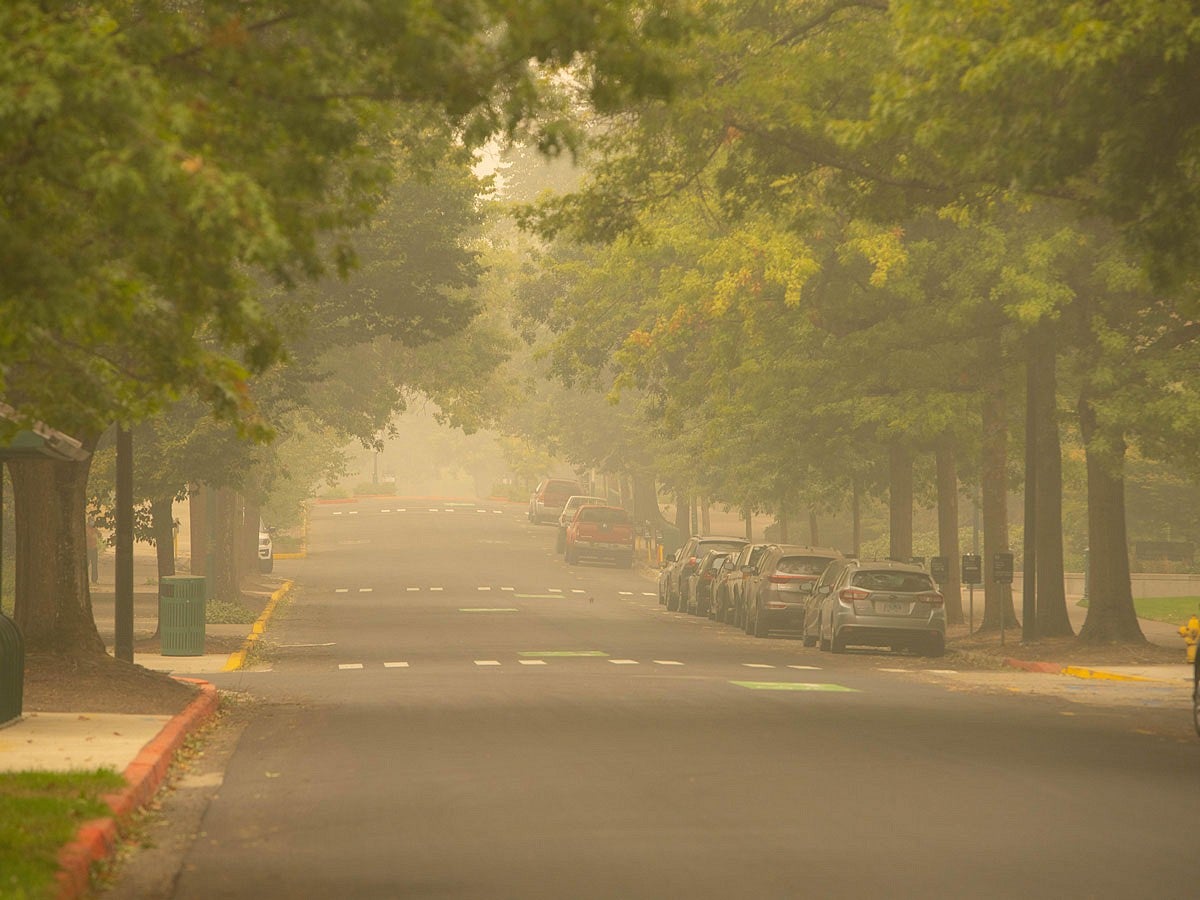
{"x": 882, "y": 248}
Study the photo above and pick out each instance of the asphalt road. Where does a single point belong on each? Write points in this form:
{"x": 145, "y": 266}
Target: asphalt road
{"x": 451, "y": 711}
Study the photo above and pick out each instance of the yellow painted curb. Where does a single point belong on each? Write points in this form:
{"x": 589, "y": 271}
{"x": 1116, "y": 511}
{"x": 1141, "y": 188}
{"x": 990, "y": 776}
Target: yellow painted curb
{"x": 237, "y": 659}
{"x": 1081, "y": 672}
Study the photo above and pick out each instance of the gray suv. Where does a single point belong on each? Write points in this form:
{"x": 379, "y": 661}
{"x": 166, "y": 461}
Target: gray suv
{"x": 877, "y": 603}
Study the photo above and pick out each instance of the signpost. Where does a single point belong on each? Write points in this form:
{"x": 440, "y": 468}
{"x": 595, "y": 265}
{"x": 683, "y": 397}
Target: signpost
{"x": 1002, "y": 573}
{"x": 972, "y": 574}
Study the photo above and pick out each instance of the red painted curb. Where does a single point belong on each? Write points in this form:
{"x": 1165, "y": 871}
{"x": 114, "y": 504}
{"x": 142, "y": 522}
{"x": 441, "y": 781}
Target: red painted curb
{"x": 96, "y": 840}
{"x": 1043, "y": 667}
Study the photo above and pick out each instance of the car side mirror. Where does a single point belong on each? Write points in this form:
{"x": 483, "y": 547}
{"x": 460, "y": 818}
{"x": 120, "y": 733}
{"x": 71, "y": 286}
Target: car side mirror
{"x": 806, "y": 587}
{"x": 825, "y": 589}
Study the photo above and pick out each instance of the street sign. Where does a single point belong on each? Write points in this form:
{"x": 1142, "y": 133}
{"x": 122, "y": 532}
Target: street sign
{"x": 939, "y": 568}
{"x": 972, "y": 569}
{"x": 1002, "y": 567}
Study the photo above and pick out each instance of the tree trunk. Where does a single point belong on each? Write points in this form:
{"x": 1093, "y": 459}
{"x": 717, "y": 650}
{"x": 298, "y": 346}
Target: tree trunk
{"x": 749, "y": 520}
{"x": 947, "y": 491}
{"x": 993, "y": 476}
{"x": 682, "y": 521}
{"x": 1111, "y": 616}
{"x": 198, "y": 496}
{"x": 52, "y": 604}
{"x": 705, "y": 520}
{"x": 645, "y": 502}
{"x": 1052, "y": 617}
{"x": 162, "y": 525}
{"x": 900, "y": 502}
{"x": 856, "y": 518}
{"x": 814, "y": 533}
{"x": 248, "y": 535}
{"x": 224, "y": 556}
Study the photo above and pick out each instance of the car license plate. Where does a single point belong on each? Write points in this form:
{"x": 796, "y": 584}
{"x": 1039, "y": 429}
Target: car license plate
{"x": 895, "y": 608}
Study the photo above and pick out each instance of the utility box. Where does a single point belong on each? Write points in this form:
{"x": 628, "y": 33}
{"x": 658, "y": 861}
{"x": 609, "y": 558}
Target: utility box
{"x": 181, "y": 615}
{"x": 12, "y": 670}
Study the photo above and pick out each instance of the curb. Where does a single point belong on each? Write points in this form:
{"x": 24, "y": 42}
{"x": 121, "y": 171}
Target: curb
{"x": 237, "y": 659}
{"x": 1077, "y": 671}
{"x": 96, "y": 840}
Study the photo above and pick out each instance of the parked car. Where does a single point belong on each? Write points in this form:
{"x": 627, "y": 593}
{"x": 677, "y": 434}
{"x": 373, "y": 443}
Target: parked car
{"x": 745, "y": 566}
{"x": 700, "y": 589}
{"x": 881, "y": 604}
{"x": 689, "y": 557}
{"x": 664, "y": 576}
{"x": 603, "y": 532}
{"x": 266, "y": 550}
{"x": 813, "y": 598}
{"x": 548, "y": 499}
{"x": 568, "y": 513}
{"x": 775, "y": 596}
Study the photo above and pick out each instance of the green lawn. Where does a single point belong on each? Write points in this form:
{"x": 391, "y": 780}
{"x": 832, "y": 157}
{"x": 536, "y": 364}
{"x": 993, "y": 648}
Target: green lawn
{"x": 40, "y": 813}
{"x": 1176, "y": 610}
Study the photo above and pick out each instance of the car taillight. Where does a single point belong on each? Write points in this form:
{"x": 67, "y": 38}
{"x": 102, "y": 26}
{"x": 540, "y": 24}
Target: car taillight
{"x": 933, "y": 598}
{"x": 849, "y": 595}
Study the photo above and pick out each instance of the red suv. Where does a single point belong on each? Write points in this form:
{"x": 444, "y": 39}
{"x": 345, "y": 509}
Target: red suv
{"x": 551, "y": 495}
{"x": 600, "y": 531}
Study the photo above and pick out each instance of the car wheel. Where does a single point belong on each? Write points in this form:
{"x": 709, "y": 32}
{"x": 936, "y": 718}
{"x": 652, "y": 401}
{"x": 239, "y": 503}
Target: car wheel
{"x": 761, "y": 625}
{"x": 822, "y": 644}
{"x": 935, "y": 646}
{"x": 809, "y": 640}
{"x": 837, "y": 643}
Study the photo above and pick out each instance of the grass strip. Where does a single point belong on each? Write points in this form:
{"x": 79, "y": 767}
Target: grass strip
{"x": 40, "y": 812}
{"x": 1174, "y": 610}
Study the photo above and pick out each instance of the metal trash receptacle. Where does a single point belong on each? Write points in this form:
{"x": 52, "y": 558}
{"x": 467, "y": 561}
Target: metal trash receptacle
{"x": 12, "y": 670}
{"x": 181, "y": 615}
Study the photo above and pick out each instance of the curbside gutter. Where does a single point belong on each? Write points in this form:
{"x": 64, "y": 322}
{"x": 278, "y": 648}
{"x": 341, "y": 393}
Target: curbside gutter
{"x": 237, "y": 659}
{"x": 96, "y": 840}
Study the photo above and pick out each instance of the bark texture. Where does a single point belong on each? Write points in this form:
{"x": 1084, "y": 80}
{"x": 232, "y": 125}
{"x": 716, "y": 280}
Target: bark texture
{"x": 900, "y": 502}
{"x": 947, "y": 485}
{"x": 997, "y": 598}
{"x": 1052, "y": 617}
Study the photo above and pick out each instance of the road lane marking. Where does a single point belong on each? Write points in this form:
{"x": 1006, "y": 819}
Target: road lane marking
{"x": 395, "y": 665}
{"x": 649, "y": 594}
{"x": 488, "y": 609}
{"x": 385, "y": 510}
{"x": 353, "y": 512}
{"x": 366, "y": 590}
{"x": 402, "y": 510}
{"x": 507, "y": 589}
{"x": 578, "y": 591}
{"x": 758, "y": 665}
{"x": 411, "y": 589}
{"x": 624, "y": 662}
{"x": 487, "y": 662}
{"x": 806, "y": 668}
{"x": 437, "y": 589}
{"x": 341, "y": 590}
{"x": 538, "y": 596}
{"x": 483, "y": 588}
{"x": 881, "y": 669}
{"x": 668, "y": 662}
{"x": 793, "y": 686}
{"x": 338, "y": 513}
{"x": 350, "y": 665}
{"x": 532, "y": 662}
{"x": 625, "y": 593}
{"x": 562, "y": 653}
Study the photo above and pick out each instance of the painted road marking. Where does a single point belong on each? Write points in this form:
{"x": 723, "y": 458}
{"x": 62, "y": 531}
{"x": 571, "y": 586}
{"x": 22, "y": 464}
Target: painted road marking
{"x": 507, "y": 589}
{"x": 625, "y": 593}
{"x": 578, "y": 591}
{"x": 880, "y": 669}
{"x": 554, "y": 590}
{"x": 385, "y": 510}
{"x": 366, "y": 590}
{"x": 943, "y": 671}
{"x": 350, "y": 665}
{"x": 338, "y": 513}
{"x": 649, "y": 594}
{"x": 402, "y": 510}
{"x": 563, "y": 653}
{"x": 668, "y": 662}
{"x": 433, "y": 510}
{"x": 353, "y": 512}
{"x": 532, "y": 662}
{"x": 793, "y": 686}
{"x": 484, "y": 588}
{"x": 758, "y": 665}
{"x": 624, "y": 662}
{"x": 412, "y": 589}
{"x": 437, "y": 589}
{"x": 538, "y": 596}
{"x": 395, "y": 665}
{"x": 341, "y": 590}
{"x": 806, "y": 668}
{"x": 488, "y": 609}
{"x": 487, "y": 662}
{"x": 498, "y": 512}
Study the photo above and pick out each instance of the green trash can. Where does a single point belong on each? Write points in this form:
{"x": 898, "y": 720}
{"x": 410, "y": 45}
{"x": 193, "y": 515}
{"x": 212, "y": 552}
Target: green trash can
{"x": 181, "y": 615}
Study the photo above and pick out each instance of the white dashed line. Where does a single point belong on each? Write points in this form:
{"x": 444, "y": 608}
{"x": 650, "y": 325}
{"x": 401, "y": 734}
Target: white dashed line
{"x": 353, "y": 512}
{"x": 385, "y": 510}
{"x": 402, "y": 510}
{"x": 624, "y": 662}
{"x": 341, "y": 590}
{"x": 880, "y": 669}
{"x": 806, "y": 668}
{"x": 649, "y": 594}
{"x": 412, "y": 589}
{"x": 350, "y": 665}
{"x": 437, "y": 589}
{"x": 498, "y": 512}
{"x": 338, "y": 513}
{"x": 395, "y": 665}
{"x": 484, "y": 588}
{"x": 554, "y": 590}
{"x": 577, "y": 591}
{"x": 532, "y": 662}
{"x": 758, "y": 665}
{"x": 625, "y": 593}
{"x": 487, "y": 662}
{"x": 667, "y": 662}
{"x": 507, "y": 589}
{"x": 433, "y": 510}
{"x": 366, "y": 590}
{"x": 943, "y": 671}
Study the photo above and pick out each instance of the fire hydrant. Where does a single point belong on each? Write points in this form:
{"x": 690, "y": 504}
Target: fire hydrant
{"x": 1191, "y": 634}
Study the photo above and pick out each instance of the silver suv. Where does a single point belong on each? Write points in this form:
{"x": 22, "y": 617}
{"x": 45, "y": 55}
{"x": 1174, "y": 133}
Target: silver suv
{"x": 877, "y": 603}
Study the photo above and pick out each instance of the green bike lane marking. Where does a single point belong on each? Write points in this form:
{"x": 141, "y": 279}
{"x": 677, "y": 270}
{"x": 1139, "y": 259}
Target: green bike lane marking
{"x": 793, "y": 686}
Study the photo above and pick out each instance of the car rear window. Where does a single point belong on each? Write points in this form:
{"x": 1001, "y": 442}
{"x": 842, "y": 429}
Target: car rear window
{"x": 716, "y": 559}
{"x": 904, "y": 582}
{"x": 802, "y": 565}
{"x": 705, "y": 546}
{"x": 604, "y": 515}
